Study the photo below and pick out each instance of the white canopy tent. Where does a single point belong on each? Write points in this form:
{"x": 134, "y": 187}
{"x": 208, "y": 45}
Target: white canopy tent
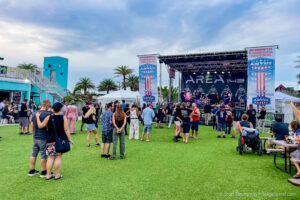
{"x": 127, "y": 95}
{"x": 282, "y": 105}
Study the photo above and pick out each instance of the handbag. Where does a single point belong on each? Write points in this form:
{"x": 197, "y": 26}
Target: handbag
{"x": 61, "y": 145}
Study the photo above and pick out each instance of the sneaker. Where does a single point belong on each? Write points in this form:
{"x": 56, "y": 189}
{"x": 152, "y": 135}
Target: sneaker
{"x": 224, "y": 136}
{"x": 232, "y": 136}
{"x": 219, "y": 136}
{"x": 103, "y": 156}
{"x": 175, "y": 139}
{"x": 43, "y": 174}
{"x": 88, "y": 145}
{"x": 107, "y": 156}
{"x": 97, "y": 144}
{"x": 179, "y": 136}
{"x": 33, "y": 172}
{"x": 21, "y": 133}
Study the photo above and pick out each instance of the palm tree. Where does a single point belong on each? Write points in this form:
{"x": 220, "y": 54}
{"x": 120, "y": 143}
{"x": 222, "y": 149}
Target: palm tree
{"x": 84, "y": 84}
{"x": 29, "y": 66}
{"x": 107, "y": 85}
{"x": 123, "y": 71}
{"x": 133, "y": 82}
{"x": 298, "y": 66}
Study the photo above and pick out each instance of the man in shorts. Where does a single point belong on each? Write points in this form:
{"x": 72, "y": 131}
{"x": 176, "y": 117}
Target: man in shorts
{"x": 195, "y": 119}
{"x": 237, "y": 113}
{"x": 23, "y": 118}
{"x": 147, "y": 115}
{"x": 39, "y": 140}
{"x": 83, "y": 112}
{"x": 221, "y": 116}
{"x": 207, "y": 111}
{"x": 107, "y": 130}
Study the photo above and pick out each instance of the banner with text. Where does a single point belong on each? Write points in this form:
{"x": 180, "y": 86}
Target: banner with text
{"x": 148, "y": 79}
{"x": 261, "y": 77}
{"x": 234, "y": 84}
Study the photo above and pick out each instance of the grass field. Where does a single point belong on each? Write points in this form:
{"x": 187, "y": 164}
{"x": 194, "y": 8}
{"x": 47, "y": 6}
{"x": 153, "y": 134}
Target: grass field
{"x": 207, "y": 168}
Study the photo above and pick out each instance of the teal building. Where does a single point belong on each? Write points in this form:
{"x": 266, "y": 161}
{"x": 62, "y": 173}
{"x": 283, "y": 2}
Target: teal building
{"x": 50, "y": 83}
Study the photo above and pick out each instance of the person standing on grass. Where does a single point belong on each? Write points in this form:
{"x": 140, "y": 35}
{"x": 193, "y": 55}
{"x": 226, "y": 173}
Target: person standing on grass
{"x": 23, "y": 118}
{"x": 147, "y": 115}
{"x": 40, "y": 140}
{"x": 207, "y": 113}
{"x": 185, "y": 119}
{"x": 127, "y": 112}
{"x": 107, "y": 131}
{"x": 261, "y": 119}
{"x": 134, "y": 123}
{"x": 195, "y": 120}
{"x": 237, "y": 113}
{"x": 177, "y": 123}
{"x": 221, "y": 116}
{"x": 214, "y": 117}
{"x": 90, "y": 125}
{"x": 252, "y": 115}
{"x": 83, "y": 112}
{"x": 61, "y": 130}
{"x": 119, "y": 122}
{"x": 228, "y": 121}
{"x": 160, "y": 116}
{"x": 72, "y": 115}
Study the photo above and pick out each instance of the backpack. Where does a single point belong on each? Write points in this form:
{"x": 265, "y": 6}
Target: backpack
{"x": 251, "y": 140}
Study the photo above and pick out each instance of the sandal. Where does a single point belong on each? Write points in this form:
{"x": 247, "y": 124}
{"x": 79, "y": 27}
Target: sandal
{"x": 51, "y": 177}
{"x": 60, "y": 176}
{"x": 297, "y": 176}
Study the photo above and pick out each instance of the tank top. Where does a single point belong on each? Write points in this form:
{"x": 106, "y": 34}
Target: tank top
{"x": 59, "y": 126}
{"x": 245, "y": 124}
{"x": 119, "y": 123}
{"x": 195, "y": 118}
{"x": 133, "y": 114}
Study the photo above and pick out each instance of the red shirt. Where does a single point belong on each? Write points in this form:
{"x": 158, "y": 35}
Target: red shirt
{"x": 195, "y": 118}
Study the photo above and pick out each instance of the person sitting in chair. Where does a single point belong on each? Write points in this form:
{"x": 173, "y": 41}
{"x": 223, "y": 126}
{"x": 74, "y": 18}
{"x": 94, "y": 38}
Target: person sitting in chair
{"x": 243, "y": 123}
{"x": 279, "y": 130}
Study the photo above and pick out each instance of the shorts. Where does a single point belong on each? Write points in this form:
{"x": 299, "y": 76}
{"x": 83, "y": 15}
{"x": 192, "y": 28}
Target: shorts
{"x": 90, "y": 127}
{"x": 177, "y": 123}
{"x": 221, "y": 126}
{"x": 195, "y": 125}
{"x": 234, "y": 124}
{"x": 207, "y": 117}
{"x": 147, "y": 128}
{"x": 6, "y": 117}
{"x": 186, "y": 127}
{"x": 39, "y": 146}
{"x": 83, "y": 121}
{"x": 107, "y": 136}
{"x": 51, "y": 150}
{"x": 24, "y": 121}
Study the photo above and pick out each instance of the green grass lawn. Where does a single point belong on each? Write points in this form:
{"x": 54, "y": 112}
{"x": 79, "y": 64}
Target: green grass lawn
{"x": 207, "y": 168}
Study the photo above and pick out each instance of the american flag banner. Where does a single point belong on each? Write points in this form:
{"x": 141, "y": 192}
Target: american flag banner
{"x": 148, "y": 79}
{"x": 261, "y": 77}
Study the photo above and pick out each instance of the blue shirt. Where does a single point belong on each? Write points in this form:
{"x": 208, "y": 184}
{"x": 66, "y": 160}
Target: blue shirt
{"x": 106, "y": 119}
{"x": 221, "y": 116}
{"x": 148, "y": 115}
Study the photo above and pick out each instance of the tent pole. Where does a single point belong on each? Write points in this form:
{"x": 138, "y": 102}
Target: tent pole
{"x": 160, "y": 76}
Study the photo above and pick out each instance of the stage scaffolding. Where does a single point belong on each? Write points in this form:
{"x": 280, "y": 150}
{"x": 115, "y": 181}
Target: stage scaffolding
{"x": 201, "y": 63}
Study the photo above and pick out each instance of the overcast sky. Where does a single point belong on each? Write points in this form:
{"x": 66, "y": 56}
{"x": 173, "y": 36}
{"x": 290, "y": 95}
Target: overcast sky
{"x": 98, "y": 35}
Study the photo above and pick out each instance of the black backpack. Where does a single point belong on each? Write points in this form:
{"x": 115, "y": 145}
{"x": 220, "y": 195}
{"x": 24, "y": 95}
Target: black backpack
{"x": 251, "y": 140}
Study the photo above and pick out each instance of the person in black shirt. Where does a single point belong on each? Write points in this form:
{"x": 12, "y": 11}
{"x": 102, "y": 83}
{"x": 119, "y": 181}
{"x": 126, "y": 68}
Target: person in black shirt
{"x": 61, "y": 130}
{"x": 182, "y": 96}
{"x": 261, "y": 119}
{"x": 90, "y": 125}
{"x": 252, "y": 115}
{"x": 237, "y": 113}
{"x": 127, "y": 112}
{"x": 83, "y": 112}
{"x": 185, "y": 119}
{"x": 207, "y": 111}
{"x": 23, "y": 118}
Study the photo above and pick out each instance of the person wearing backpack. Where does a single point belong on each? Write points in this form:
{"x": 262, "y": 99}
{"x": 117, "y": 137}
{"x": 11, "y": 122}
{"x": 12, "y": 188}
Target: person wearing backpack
{"x": 228, "y": 121}
{"x": 237, "y": 113}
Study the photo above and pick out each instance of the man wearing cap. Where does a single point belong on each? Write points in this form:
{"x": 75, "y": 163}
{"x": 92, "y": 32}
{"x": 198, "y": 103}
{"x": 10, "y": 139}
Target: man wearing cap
{"x": 221, "y": 117}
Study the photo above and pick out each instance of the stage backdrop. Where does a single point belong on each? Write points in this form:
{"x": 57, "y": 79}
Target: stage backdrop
{"x": 148, "y": 79}
{"x": 261, "y": 77}
{"x": 234, "y": 83}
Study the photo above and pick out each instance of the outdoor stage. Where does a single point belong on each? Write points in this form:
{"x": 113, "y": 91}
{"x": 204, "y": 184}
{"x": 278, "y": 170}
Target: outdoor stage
{"x": 219, "y": 75}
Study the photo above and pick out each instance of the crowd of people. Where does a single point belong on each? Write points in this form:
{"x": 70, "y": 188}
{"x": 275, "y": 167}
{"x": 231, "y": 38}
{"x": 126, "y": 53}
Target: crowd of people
{"x": 49, "y": 122}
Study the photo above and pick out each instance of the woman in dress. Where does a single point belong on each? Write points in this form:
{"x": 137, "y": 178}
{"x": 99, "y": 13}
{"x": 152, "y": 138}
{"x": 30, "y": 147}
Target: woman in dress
{"x": 90, "y": 125}
{"x": 134, "y": 123}
{"x": 119, "y": 122}
{"x": 61, "y": 129}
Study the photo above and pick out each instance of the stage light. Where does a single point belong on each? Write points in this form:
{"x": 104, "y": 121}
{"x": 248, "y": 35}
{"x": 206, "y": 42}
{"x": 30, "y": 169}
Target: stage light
{"x": 194, "y": 73}
{"x": 215, "y": 72}
{"x": 222, "y": 72}
{"x": 208, "y": 72}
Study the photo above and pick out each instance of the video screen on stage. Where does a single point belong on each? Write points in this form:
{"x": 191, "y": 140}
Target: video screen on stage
{"x": 217, "y": 86}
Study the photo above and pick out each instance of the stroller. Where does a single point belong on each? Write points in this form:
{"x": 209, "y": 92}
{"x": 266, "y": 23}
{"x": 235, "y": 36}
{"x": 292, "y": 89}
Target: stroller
{"x": 249, "y": 138}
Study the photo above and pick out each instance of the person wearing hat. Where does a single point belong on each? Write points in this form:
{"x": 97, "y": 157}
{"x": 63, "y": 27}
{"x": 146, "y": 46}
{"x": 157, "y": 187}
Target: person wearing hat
{"x": 221, "y": 119}
{"x": 72, "y": 114}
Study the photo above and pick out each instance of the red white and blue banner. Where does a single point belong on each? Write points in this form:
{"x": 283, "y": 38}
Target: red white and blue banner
{"x": 148, "y": 79}
{"x": 261, "y": 77}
